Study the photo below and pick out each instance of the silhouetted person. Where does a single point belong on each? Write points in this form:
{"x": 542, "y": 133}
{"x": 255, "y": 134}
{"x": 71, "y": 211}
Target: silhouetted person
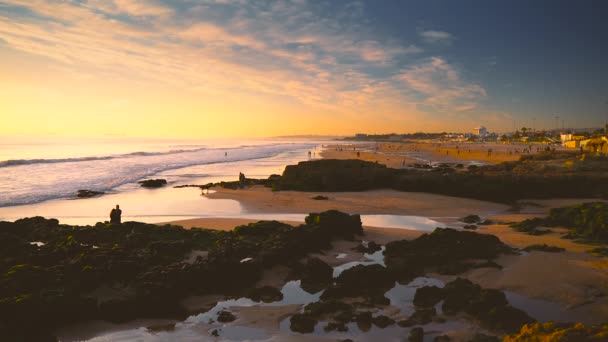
{"x": 115, "y": 215}
{"x": 241, "y": 179}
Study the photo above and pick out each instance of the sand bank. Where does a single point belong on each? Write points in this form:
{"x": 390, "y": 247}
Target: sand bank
{"x": 259, "y": 199}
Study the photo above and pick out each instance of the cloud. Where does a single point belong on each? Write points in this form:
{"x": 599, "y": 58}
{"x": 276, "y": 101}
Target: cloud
{"x": 317, "y": 54}
{"x": 436, "y": 37}
{"x": 440, "y": 86}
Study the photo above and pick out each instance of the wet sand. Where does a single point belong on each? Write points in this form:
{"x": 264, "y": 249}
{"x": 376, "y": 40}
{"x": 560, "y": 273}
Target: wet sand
{"x": 259, "y": 199}
{"x": 574, "y": 279}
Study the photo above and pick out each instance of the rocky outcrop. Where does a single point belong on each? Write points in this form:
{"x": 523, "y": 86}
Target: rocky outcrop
{"x": 88, "y": 193}
{"x": 488, "y": 306}
{"x": 144, "y": 267}
{"x": 445, "y": 250}
{"x": 153, "y": 183}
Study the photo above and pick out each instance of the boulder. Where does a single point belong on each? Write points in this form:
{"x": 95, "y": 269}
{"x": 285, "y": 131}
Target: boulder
{"x": 315, "y": 274}
{"x": 302, "y": 323}
{"x": 225, "y": 316}
{"x": 88, "y": 193}
{"x": 382, "y": 321}
{"x": 428, "y": 296}
{"x": 153, "y": 183}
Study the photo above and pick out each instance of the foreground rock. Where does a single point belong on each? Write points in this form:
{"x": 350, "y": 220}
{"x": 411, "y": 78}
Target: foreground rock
{"x": 488, "y": 306}
{"x": 445, "y": 251}
{"x": 142, "y": 269}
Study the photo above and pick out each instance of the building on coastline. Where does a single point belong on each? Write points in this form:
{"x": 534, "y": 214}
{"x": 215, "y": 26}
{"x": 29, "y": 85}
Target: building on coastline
{"x": 360, "y": 135}
{"x": 480, "y": 131}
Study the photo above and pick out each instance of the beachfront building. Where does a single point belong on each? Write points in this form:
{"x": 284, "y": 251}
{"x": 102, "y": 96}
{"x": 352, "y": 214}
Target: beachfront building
{"x": 480, "y": 131}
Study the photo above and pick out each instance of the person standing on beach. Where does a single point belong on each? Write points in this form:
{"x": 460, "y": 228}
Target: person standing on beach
{"x": 115, "y": 215}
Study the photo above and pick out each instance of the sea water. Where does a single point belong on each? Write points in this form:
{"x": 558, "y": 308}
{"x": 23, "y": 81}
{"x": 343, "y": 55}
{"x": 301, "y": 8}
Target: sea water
{"x": 38, "y": 175}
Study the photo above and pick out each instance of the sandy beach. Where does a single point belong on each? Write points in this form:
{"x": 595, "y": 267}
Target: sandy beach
{"x": 400, "y": 155}
{"x": 574, "y": 280}
{"x": 570, "y": 285}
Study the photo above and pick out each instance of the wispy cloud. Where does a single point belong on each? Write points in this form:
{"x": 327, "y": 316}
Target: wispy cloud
{"x": 440, "y": 87}
{"x": 436, "y": 37}
{"x": 318, "y": 54}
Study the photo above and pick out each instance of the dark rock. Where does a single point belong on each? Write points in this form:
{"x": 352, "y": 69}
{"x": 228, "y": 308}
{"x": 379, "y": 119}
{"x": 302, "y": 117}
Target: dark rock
{"x": 428, "y": 296}
{"x": 320, "y": 198}
{"x": 458, "y": 295}
{"x": 337, "y": 224}
{"x": 471, "y": 219}
{"x": 370, "y": 248}
{"x": 470, "y": 227}
{"x": 416, "y": 335}
{"x": 225, "y": 316}
{"x": 315, "y": 274}
{"x": 445, "y": 250}
{"x": 419, "y": 317}
{"x": 153, "y": 183}
{"x": 544, "y": 248}
{"x": 266, "y": 294}
{"x": 361, "y": 281}
{"x": 302, "y": 323}
{"x": 88, "y": 193}
{"x": 382, "y": 321}
{"x": 364, "y": 320}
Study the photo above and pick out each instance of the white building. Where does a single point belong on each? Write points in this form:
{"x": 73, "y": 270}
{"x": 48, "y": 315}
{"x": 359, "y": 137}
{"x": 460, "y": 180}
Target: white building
{"x": 565, "y": 137}
{"x": 480, "y": 131}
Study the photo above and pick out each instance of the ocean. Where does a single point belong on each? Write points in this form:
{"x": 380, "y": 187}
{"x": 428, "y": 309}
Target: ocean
{"x": 40, "y": 176}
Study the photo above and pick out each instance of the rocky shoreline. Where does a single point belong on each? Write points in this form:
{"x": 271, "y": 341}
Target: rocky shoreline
{"x": 54, "y": 275}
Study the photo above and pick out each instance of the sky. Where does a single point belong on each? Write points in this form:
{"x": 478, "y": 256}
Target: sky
{"x": 221, "y": 68}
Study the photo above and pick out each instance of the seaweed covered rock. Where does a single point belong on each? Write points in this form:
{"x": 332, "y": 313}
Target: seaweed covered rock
{"x": 470, "y": 219}
{"x": 302, "y": 323}
{"x": 382, "y": 321}
{"x": 445, "y": 250}
{"x": 225, "y": 316}
{"x": 559, "y": 332}
{"x": 489, "y": 306}
{"x": 370, "y": 281}
{"x": 153, "y": 183}
{"x": 53, "y": 274}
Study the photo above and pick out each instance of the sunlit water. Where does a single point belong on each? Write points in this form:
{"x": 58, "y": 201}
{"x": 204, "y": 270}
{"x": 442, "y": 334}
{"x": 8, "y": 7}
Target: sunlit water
{"x": 40, "y": 169}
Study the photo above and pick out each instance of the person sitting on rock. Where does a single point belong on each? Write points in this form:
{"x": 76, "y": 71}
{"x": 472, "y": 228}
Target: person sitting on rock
{"x": 115, "y": 215}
